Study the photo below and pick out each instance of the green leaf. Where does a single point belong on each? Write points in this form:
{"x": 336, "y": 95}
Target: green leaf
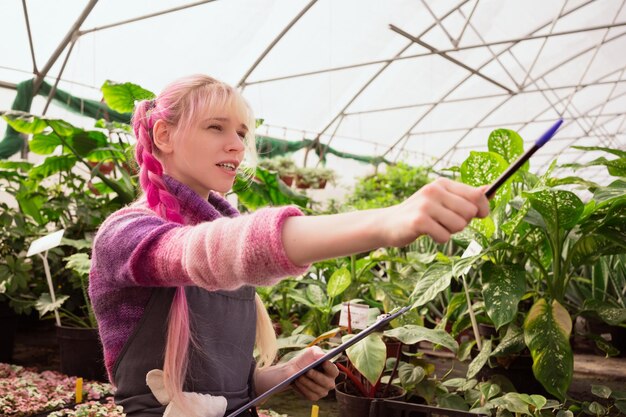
{"x": 79, "y": 262}
{"x": 31, "y": 203}
{"x": 339, "y": 281}
{"x": 434, "y": 280}
{"x": 44, "y": 144}
{"x": 53, "y": 165}
{"x": 24, "y": 122}
{"x": 295, "y": 341}
{"x": 615, "y": 190}
{"x": 547, "y": 329}
{"x": 410, "y": 375}
{"x": 16, "y": 165}
{"x": 316, "y": 295}
{"x": 617, "y": 152}
{"x": 564, "y": 413}
{"x": 62, "y": 127}
{"x": 512, "y": 342}
{"x": 503, "y": 288}
{"x": 83, "y": 142}
{"x": 368, "y": 356}
{"x": 452, "y": 401}
{"x": 45, "y": 305}
{"x": 559, "y": 209}
{"x": 480, "y": 360}
{"x": 482, "y": 168}
{"x": 507, "y": 143}
{"x": 121, "y": 97}
{"x": 608, "y": 313}
{"x": 410, "y": 334}
{"x": 601, "y": 391}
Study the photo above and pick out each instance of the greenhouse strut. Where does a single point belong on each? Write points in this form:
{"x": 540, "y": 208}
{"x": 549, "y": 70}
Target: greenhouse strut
{"x": 522, "y": 159}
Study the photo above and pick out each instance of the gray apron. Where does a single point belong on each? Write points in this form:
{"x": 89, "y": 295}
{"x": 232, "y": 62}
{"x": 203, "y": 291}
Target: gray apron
{"x": 221, "y": 363}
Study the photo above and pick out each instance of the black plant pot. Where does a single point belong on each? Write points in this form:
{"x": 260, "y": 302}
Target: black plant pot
{"x": 81, "y": 353}
{"x": 357, "y": 406}
{"x": 8, "y": 324}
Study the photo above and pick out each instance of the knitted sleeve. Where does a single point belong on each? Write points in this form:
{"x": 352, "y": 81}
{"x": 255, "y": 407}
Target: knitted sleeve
{"x": 134, "y": 247}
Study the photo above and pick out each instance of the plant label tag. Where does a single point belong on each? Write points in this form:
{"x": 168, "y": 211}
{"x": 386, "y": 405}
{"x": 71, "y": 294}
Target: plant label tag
{"x": 473, "y": 248}
{"x": 359, "y": 315}
{"x": 46, "y": 243}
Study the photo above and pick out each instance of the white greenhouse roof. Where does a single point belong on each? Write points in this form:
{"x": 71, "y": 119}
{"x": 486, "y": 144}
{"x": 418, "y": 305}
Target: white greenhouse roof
{"x": 422, "y": 82}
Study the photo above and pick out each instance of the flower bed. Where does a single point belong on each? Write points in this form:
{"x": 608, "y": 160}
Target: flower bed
{"x": 24, "y": 391}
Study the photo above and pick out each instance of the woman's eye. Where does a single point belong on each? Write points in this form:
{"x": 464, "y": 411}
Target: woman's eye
{"x": 242, "y": 135}
{"x": 216, "y": 127}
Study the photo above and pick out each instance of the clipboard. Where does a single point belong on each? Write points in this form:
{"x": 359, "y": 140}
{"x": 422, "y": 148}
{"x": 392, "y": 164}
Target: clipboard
{"x": 380, "y": 323}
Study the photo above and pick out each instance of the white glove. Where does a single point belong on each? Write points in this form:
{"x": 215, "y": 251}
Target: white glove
{"x": 205, "y": 405}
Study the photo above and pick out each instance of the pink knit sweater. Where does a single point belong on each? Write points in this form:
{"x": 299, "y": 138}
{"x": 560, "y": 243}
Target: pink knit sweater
{"x": 217, "y": 249}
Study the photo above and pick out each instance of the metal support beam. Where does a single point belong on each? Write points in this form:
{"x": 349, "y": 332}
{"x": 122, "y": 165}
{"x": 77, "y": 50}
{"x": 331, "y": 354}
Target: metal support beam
{"x": 464, "y": 48}
{"x": 449, "y": 58}
{"x": 30, "y": 37}
{"x": 71, "y": 34}
{"x": 147, "y": 16}
{"x": 56, "y": 82}
{"x": 242, "y": 83}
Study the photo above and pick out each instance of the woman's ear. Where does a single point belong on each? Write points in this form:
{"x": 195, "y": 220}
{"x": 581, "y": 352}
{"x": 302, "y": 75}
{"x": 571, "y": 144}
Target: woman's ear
{"x": 162, "y": 138}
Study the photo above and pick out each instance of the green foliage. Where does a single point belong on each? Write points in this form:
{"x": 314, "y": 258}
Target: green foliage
{"x": 393, "y": 186}
{"x": 121, "y": 97}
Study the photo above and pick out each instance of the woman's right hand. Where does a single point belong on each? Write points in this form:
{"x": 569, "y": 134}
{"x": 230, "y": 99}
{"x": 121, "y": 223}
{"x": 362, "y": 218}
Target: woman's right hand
{"x": 438, "y": 209}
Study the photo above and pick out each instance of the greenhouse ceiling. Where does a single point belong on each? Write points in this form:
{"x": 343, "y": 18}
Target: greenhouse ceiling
{"x": 423, "y": 82}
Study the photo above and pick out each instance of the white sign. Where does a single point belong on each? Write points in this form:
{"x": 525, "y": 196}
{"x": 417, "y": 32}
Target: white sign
{"x": 46, "y": 243}
{"x": 473, "y": 248}
{"x": 359, "y": 315}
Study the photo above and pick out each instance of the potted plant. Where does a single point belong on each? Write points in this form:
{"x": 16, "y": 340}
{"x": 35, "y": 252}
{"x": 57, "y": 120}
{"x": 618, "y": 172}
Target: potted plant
{"x": 535, "y": 241}
{"x": 313, "y": 177}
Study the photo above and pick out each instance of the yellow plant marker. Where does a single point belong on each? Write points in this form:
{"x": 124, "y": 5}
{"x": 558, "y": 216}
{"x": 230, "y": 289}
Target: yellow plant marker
{"x": 79, "y": 390}
{"x": 315, "y": 409}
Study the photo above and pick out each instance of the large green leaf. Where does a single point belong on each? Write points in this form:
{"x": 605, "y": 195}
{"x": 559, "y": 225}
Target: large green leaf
{"x": 503, "y": 288}
{"x": 410, "y": 334}
{"x": 339, "y": 281}
{"x": 121, "y": 97}
{"x": 434, "y": 280}
{"x": 44, "y": 144}
{"x": 482, "y": 168}
{"x": 24, "y": 122}
{"x": 78, "y": 262}
{"x": 53, "y": 165}
{"x": 547, "y": 329}
{"x": 507, "y": 143}
{"x": 368, "y": 356}
{"x": 559, "y": 209}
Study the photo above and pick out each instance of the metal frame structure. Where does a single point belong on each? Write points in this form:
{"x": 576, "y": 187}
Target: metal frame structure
{"x": 588, "y": 122}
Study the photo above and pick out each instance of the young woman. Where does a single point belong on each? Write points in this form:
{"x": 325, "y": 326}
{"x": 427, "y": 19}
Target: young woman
{"x": 173, "y": 275}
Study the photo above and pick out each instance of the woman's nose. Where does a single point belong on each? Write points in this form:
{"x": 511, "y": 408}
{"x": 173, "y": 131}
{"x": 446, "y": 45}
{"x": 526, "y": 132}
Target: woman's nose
{"x": 236, "y": 143}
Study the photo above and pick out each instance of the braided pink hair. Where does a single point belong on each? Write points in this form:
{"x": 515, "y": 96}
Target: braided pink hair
{"x": 178, "y": 105}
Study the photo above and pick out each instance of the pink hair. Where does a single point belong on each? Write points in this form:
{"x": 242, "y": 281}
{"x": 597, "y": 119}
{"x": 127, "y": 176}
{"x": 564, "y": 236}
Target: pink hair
{"x": 178, "y": 105}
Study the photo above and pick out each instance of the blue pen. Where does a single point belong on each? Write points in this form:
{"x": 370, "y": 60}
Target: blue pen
{"x": 522, "y": 159}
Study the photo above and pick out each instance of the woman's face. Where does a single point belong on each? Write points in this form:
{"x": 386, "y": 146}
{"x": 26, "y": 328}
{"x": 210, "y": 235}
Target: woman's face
{"x": 207, "y": 157}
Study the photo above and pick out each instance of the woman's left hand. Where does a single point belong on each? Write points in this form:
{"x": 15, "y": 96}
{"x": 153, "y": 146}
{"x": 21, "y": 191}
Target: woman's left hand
{"x": 314, "y": 384}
